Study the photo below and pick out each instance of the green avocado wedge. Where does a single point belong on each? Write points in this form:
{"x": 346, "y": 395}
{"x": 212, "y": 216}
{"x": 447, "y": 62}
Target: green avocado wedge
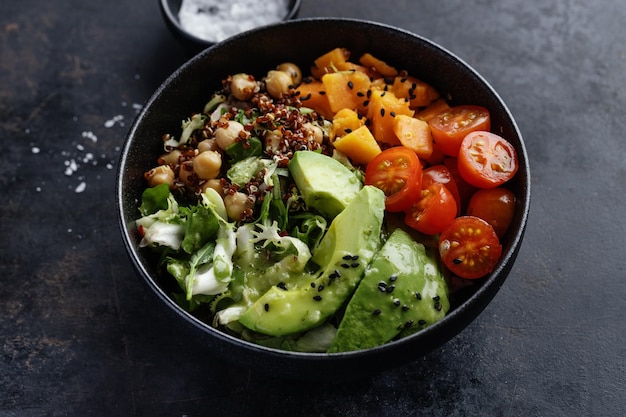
{"x": 401, "y": 292}
{"x": 346, "y": 249}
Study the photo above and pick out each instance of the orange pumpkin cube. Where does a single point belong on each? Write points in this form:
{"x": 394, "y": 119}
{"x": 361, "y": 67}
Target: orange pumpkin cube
{"x": 418, "y": 92}
{"x": 329, "y": 62}
{"x": 433, "y": 109}
{"x": 345, "y": 89}
{"x": 414, "y": 134}
{"x": 370, "y": 61}
{"x": 383, "y": 107}
{"x": 345, "y": 121}
{"x": 313, "y": 95}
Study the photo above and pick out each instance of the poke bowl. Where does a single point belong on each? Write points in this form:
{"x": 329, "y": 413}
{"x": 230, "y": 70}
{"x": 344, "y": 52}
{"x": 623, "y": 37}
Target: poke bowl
{"x": 302, "y": 323}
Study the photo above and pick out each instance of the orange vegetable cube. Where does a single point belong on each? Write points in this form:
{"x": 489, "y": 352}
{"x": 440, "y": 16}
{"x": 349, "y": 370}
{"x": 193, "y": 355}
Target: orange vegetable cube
{"x": 329, "y": 62}
{"x": 418, "y": 92}
{"x": 345, "y": 121}
{"x": 313, "y": 95}
{"x": 414, "y": 134}
{"x": 359, "y": 145}
{"x": 370, "y": 61}
{"x": 345, "y": 89}
{"x": 383, "y": 107}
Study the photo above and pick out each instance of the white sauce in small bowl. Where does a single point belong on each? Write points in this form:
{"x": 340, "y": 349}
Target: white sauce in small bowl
{"x": 216, "y": 20}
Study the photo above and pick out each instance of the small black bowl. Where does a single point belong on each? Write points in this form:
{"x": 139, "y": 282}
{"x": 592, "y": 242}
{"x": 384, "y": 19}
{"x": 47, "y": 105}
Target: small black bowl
{"x": 192, "y": 43}
{"x": 301, "y": 41}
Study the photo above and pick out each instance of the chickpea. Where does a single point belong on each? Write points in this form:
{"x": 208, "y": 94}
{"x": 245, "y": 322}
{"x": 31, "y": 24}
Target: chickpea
{"x": 186, "y": 173}
{"x": 208, "y": 145}
{"x": 243, "y": 86}
{"x": 277, "y": 83}
{"x": 293, "y": 70}
{"x": 236, "y": 204}
{"x": 170, "y": 158}
{"x": 215, "y": 184}
{"x": 207, "y": 165}
{"x": 273, "y": 139}
{"x": 314, "y": 132}
{"x": 162, "y": 174}
{"x": 226, "y": 136}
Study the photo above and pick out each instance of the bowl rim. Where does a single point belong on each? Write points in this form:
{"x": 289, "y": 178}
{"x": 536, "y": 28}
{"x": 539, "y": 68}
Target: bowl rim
{"x": 462, "y": 315}
{"x": 170, "y": 15}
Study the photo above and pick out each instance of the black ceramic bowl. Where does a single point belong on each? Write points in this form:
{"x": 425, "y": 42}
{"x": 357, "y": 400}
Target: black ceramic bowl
{"x": 300, "y": 41}
{"x": 193, "y": 42}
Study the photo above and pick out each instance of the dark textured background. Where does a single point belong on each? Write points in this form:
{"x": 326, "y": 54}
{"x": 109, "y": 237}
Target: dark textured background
{"x": 78, "y": 333}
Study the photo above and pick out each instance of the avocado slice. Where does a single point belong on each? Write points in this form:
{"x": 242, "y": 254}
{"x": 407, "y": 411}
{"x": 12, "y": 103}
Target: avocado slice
{"x": 326, "y": 185}
{"x": 402, "y": 292}
{"x": 348, "y": 246}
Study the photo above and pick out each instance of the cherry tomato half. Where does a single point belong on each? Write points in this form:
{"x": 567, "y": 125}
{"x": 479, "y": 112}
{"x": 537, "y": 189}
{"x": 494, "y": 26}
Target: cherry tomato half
{"x": 486, "y": 160}
{"x": 397, "y": 171}
{"x": 440, "y": 173}
{"x": 469, "y": 247}
{"x": 494, "y": 205}
{"x": 434, "y": 211}
{"x": 452, "y": 125}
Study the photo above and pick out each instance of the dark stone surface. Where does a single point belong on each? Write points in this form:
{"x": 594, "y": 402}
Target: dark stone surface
{"x": 79, "y": 335}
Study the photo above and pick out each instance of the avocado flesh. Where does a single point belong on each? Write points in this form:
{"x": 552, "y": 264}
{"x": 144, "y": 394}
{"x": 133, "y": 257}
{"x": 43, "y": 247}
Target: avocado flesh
{"x": 347, "y": 248}
{"x": 402, "y": 292}
{"x": 326, "y": 185}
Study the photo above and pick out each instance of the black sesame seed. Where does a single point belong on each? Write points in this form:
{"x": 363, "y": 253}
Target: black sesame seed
{"x": 438, "y": 306}
{"x": 354, "y": 257}
{"x": 382, "y": 286}
{"x": 405, "y": 308}
{"x": 350, "y": 85}
{"x": 403, "y": 79}
{"x": 392, "y": 114}
{"x": 418, "y": 296}
{"x": 382, "y": 112}
{"x": 457, "y": 261}
{"x": 347, "y": 257}
{"x": 393, "y": 278}
{"x": 322, "y": 93}
{"x": 345, "y": 265}
{"x": 396, "y": 302}
{"x": 282, "y": 286}
{"x": 312, "y": 285}
{"x": 366, "y": 103}
{"x": 354, "y": 264}
{"x": 369, "y": 93}
{"x": 390, "y": 288}
{"x": 320, "y": 287}
{"x": 318, "y": 298}
{"x": 436, "y": 298}
{"x": 360, "y": 94}
{"x": 307, "y": 97}
{"x": 421, "y": 322}
{"x": 384, "y": 92}
{"x": 348, "y": 130}
{"x": 408, "y": 324}
{"x": 266, "y": 307}
{"x": 376, "y": 312}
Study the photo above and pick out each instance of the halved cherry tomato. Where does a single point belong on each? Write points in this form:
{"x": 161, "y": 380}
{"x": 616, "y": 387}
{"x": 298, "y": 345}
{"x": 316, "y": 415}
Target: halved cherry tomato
{"x": 452, "y": 125}
{"x": 441, "y": 174}
{"x": 397, "y": 171}
{"x": 486, "y": 160}
{"x": 433, "y": 212}
{"x": 494, "y": 205}
{"x": 469, "y": 247}
{"x": 465, "y": 190}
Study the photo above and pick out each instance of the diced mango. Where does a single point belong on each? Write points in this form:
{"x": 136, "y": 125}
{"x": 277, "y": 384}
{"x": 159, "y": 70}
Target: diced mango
{"x": 329, "y": 62}
{"x": 359, "y": 145}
